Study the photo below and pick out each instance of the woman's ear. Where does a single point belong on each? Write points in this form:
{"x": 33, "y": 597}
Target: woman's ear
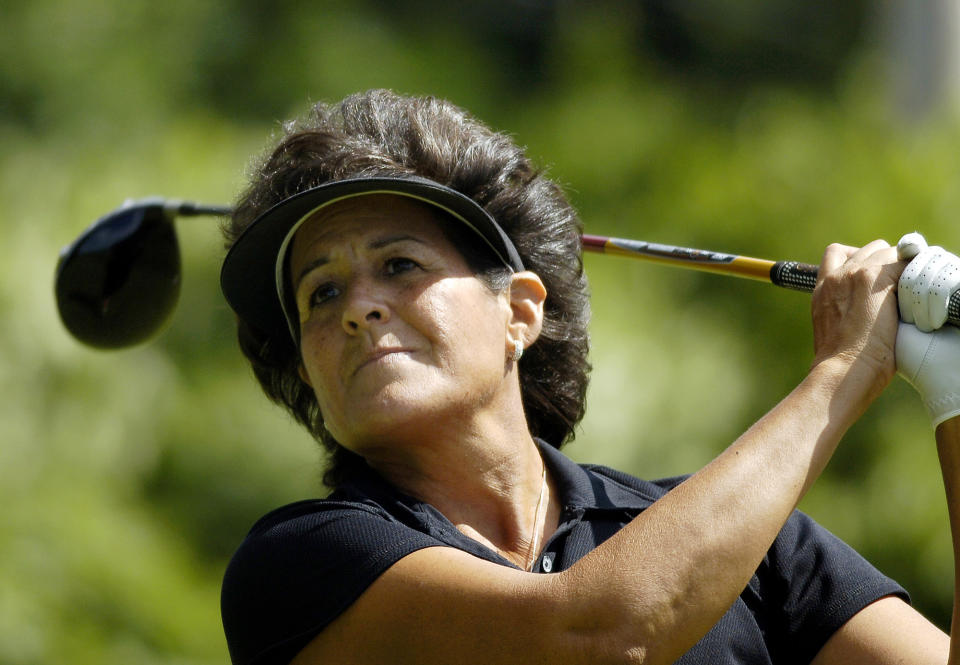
{"x": 527, "y": 295}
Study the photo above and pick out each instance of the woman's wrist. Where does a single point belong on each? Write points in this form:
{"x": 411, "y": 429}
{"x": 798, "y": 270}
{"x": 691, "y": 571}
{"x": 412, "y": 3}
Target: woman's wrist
{"x": 847, "y": 386}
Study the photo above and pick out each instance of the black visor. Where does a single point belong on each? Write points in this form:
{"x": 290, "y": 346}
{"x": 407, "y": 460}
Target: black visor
{"x": 253, "y": 274}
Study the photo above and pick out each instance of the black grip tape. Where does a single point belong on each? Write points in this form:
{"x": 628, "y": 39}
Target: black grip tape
{"x": 793, "y": 275}
{"x": 803, "y": 277}
{"x": 953, "y": 309}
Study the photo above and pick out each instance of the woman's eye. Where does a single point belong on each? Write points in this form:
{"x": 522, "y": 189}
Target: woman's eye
{"x": 323, "y": 293}
{"x": 400, "y": 264}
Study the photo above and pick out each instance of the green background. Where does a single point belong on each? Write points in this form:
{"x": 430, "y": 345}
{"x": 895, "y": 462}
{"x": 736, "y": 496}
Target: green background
{"x": 764, "y": 129}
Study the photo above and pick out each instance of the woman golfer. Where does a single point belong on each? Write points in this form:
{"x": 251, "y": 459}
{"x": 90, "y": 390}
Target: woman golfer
{"x": 411, "y": 289}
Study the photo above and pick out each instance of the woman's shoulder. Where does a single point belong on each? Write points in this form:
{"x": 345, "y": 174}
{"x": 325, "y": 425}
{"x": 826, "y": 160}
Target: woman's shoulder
{"x": 657, "y": 486}
{"x": 301, "y": 565}
{"x": 620, "y": 482}
{"x": 365, "y": 496}
{"x": 344, "y": 526}
{"x": 309, "y": 513}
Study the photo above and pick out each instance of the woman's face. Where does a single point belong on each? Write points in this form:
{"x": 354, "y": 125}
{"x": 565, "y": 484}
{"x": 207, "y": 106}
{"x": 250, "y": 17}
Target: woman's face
{"x": 396, "y": 331}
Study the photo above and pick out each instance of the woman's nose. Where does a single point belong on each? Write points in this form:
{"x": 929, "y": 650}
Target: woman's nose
{"x": 363, "y": 310}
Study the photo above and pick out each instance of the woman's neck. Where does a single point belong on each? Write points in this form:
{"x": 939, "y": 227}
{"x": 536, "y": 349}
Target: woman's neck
{"x": 493, "y": 489}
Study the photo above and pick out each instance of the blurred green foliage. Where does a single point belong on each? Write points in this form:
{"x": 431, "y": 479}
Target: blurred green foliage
{"x": 128, "y": 478}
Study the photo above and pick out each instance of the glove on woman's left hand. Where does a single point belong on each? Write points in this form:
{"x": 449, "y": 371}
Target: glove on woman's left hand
{"x": 929, "y": 361}
{"x": 927, "y": 283}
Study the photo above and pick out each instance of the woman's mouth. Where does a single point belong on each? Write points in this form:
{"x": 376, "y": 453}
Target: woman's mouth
{"x": 378, "y": 355}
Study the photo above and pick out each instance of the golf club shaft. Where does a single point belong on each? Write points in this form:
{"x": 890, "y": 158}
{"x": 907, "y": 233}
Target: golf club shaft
{"x": 788, "y": 274}
{"x": 190, "y": 209}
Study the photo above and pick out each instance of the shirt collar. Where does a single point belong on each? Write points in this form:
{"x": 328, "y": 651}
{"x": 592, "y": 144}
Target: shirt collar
{"x": 580, "y": 487}
{"x": 592, "y": 487}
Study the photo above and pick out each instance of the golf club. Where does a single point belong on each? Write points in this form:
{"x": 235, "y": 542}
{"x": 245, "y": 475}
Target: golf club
{"x": 118, "y": 282}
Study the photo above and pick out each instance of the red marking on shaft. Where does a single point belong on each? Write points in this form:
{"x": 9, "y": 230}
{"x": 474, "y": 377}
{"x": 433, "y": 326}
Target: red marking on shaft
{"x": 594, "y": 241}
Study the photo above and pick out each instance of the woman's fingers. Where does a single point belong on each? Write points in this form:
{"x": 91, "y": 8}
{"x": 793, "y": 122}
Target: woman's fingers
{"x": 854, "y": 307}
{"x": 834, "y": 256}
{"x": 842, "y": 261}
{"x": 926, "y": 286}
{"x": 877, "y": 252}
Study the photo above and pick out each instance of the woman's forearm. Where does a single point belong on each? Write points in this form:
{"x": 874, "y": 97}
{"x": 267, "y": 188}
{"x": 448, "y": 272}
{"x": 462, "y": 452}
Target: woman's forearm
{"x": 948, "y": 448}
{"x": 677, "y": 568}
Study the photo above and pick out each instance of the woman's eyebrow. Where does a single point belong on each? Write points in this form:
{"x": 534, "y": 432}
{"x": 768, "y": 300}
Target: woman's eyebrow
{"x": 313, "y": 265}
{"x": 380, "y": 243}
{"x": 377, "y": 243}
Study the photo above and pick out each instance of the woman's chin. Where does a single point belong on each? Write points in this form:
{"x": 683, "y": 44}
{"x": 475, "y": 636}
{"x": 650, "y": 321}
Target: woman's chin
{"x": 389, "y": 408}
{"x": 396, "y": 412}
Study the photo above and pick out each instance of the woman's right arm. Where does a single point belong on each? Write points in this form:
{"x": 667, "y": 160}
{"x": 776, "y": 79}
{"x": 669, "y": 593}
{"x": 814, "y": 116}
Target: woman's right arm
{"x": 701, "y": 542}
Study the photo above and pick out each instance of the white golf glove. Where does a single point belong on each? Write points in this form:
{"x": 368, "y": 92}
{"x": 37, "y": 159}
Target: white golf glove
{"x": 928, "y": 355}
{"x": 927, "y": 282}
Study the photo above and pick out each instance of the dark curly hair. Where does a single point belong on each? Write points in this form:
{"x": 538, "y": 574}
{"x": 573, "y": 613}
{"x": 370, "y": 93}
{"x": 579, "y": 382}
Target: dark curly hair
{"x": 381, "y": 133}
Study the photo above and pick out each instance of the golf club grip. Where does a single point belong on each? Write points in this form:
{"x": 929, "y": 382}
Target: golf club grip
{"x": 803, "y": 277}
{"x": 793, "y": 275}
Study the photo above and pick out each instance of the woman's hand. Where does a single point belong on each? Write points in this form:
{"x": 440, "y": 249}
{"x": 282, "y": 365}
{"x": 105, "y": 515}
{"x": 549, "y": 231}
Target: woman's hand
{"x": 928, "y": 353}
{"x": 855, "y": 316}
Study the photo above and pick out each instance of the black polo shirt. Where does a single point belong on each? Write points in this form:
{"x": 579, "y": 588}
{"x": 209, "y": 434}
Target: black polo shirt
{"x": 302, "y": 565}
